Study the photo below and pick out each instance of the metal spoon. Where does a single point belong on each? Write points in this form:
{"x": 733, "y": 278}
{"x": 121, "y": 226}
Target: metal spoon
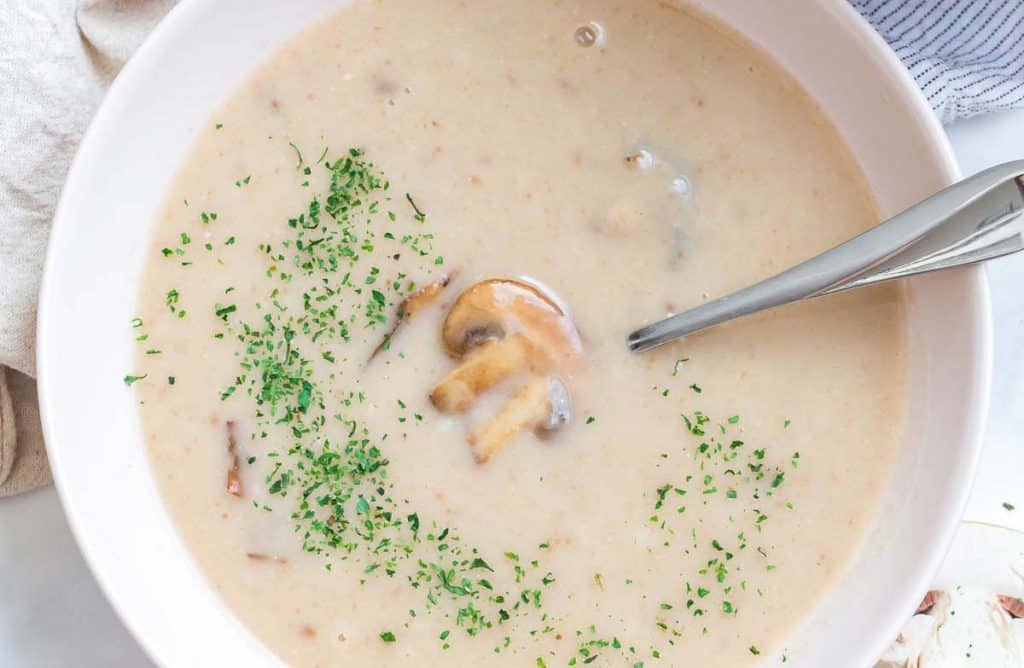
{"x": 977, "y": 219}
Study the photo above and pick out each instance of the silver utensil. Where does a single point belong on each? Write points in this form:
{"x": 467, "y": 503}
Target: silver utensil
{"x": 977, "y": 219}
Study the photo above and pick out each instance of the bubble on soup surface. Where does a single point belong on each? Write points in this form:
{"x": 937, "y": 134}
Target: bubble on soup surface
{"x": 681, "y": 186}
{"x": 590, "y": 34}
{"x": 561, "y": 406}
{"x": 642, "y": 159}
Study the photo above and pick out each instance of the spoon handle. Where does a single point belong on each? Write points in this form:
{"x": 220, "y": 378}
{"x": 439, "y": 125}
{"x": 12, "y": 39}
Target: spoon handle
{"x": 974, "y": 220}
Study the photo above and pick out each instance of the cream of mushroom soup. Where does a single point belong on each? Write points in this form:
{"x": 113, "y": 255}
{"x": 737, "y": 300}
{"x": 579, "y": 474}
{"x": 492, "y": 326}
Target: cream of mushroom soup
{"x": 382, "y": 356}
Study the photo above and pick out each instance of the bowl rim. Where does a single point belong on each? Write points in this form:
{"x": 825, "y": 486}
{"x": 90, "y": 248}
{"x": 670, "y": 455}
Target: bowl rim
{"x": 136, "y": 69}
{"x": 977, "y": 280}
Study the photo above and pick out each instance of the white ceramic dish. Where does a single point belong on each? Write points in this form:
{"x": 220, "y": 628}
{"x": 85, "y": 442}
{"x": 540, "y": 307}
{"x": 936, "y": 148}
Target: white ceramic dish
{"x": 101, "y": 235}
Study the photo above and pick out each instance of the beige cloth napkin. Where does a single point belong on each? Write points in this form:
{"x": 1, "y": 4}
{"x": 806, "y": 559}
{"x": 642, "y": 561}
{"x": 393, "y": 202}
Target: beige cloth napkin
{"x": 57, "y": 58}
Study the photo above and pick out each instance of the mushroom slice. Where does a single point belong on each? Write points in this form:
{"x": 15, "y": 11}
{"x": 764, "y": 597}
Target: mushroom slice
{"x": 424, "y": 297}
{"x": 259, "y": 556}
{"x": 529, "y": 407}
{"x": 234, "y": 477}
{"x": 486, "y": 366}
{"x": 499, "y": 307}
{"x": 498, "y": 328}
{"x": 412, "y": 304}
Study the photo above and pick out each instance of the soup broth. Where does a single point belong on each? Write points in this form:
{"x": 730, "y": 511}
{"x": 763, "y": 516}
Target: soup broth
{"x": 624, "y": 160}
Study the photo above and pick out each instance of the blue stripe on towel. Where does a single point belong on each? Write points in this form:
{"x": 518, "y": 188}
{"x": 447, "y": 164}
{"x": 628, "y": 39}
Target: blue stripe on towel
{"x": 966, "y": 55}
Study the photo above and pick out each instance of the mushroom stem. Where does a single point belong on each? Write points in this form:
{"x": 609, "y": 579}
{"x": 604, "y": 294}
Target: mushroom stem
{"x": 486, "y": 366}
{"x": 529, "y": 407}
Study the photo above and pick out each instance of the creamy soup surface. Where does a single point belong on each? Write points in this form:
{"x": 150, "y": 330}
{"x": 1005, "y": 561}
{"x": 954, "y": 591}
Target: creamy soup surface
{"x": 689, "y": 506}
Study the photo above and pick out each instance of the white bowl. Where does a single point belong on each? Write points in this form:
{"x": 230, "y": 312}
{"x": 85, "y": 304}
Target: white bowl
{"x": 100, "y": 238}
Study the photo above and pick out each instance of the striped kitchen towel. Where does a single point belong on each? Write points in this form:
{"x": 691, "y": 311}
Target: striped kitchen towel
{"x": 966, "y": 55}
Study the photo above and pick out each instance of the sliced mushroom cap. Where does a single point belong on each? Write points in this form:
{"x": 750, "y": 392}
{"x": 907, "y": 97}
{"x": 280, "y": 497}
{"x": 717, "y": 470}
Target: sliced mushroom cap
{"x": 499, "y": 307}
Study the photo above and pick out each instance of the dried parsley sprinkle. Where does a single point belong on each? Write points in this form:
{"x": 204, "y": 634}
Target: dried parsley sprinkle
{"x": 130, "y": 380}
{"x": 419, "y": 215}
{"x": 1008, "y": 506}
{"x": 387, "y": 636}
{"x": 172, "y": 300}
{"x": 332, "y": 476}
{"x": 223, "y": 312}
{"x": 298, "y": 154}
{"x": 751, "y": 475}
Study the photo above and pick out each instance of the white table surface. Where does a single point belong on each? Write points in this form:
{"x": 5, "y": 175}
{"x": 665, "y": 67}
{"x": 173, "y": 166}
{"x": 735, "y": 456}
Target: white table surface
{"x": 52, "y": 613}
